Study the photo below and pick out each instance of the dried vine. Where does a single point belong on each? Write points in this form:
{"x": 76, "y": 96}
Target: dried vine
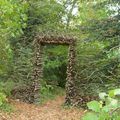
{"x": 38, "y": 69}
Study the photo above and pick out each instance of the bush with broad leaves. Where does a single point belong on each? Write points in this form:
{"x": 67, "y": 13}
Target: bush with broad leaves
{"x": 108, "y": 108}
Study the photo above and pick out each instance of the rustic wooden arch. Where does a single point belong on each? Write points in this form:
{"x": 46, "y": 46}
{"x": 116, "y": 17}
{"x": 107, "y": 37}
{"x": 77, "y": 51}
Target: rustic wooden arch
{"x": 38, "y": 69}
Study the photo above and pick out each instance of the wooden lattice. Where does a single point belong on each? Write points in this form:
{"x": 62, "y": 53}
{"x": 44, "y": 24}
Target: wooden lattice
{"x": 40, "y": 41}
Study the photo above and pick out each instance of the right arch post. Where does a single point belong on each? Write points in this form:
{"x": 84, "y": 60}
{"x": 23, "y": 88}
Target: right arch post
{"x": 70, "y": 84}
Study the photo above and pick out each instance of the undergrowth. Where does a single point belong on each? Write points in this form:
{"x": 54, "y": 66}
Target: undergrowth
{"x": 5, "y": 89}
{"x": 49, "y": 92}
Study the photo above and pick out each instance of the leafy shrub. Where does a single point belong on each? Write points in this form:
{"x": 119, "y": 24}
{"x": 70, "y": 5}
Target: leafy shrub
{"x": 3, "y": 98}
{"x": 6, "y": 87}
{"x": 49, "y": 92}
{"x": 4, "y": 105}
{"x": 5, "y": 91}
{"x": 108, "y": 108}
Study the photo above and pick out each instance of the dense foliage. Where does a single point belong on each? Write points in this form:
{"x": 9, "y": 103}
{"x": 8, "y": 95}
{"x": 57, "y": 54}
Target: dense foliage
{"x": 12, "y": 20}
{"x": 98, "y": 51}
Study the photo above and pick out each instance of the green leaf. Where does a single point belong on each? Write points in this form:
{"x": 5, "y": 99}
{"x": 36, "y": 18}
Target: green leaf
{"x": 102, "y": 95}
{"x": 106, "y": 108}
{"x": 111, "y": 93}
{"x": 117, "y": 91}
{"x": 94, "y": 105}
{"x": 117, "y": 117}
{"x": 114, "y": 103}
{"x": 90, "y": 116}
{"x": 104, "y": 116}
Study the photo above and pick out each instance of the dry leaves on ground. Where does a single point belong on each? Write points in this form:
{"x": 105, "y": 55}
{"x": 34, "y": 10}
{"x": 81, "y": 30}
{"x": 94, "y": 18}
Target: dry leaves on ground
{"x": 52, "y": 110}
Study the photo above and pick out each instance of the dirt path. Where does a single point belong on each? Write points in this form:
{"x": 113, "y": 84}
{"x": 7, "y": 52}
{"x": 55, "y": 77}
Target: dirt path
{"x": 52, "y": 110}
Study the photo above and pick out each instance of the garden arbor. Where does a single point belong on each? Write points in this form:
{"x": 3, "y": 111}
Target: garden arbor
{"x": 39, "y": 42}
